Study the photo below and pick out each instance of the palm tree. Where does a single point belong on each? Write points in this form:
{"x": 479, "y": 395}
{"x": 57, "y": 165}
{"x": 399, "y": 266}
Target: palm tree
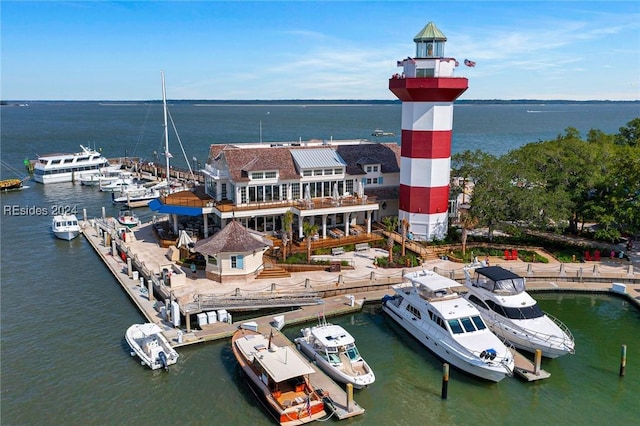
{"x": 405, "y": 230}
{"x": 390, "y": 224}
{"x": 468, "y": 222}
{"x": 287, "y": 233}
{"x": 309, "y": 229}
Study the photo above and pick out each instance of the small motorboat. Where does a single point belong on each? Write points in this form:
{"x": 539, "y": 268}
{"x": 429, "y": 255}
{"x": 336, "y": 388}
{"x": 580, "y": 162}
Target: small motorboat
{"x": 279, "y": 377}
{"x": 448, "y": 325}
{"x": 128, "y": 218}
{"x": 149, "y": 344}
{"x": 510, "y": 312}
{"x": 334, "y": 350}
{"x": 65, "y": 227}
{"x": 7, "y": 185}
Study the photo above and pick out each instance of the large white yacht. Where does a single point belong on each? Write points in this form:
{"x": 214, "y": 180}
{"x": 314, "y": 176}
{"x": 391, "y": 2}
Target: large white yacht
{"x": 449, "y": 326}
{"x": 56, "y": 168}
{"x": 513, "y": 314}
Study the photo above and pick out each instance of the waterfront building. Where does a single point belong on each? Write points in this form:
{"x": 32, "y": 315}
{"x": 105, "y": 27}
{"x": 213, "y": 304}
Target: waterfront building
{"x": 427, "y": 88}
{"x": 342, "y": 186}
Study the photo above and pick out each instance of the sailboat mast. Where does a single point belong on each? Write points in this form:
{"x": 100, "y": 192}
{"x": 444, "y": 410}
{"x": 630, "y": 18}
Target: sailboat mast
{"x": 166, "y": 127}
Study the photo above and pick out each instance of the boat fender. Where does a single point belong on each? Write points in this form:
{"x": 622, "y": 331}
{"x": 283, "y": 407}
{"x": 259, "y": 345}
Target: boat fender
{"x": 483, "y": 354}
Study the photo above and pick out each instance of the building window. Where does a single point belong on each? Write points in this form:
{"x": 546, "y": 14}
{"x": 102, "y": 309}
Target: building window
{"x": 369, "y": 169}
{"x": 328, "y": 172}
{"x": 269, "y": 175}
{"x": 212, "y": 260}
{"x": 375, "y": 168}
{"x": 307, "y": 173}
{"x": 295, "y": 191}
{"x": 317, "y": 172}
{"x": 337, "y": 172}
{"x": 237, "y": 262}
{"x": 349, "y": 186}
{"x": 223, "y": 191}
{"x": 243, "y": 194}
{"x": 257, "y": 175}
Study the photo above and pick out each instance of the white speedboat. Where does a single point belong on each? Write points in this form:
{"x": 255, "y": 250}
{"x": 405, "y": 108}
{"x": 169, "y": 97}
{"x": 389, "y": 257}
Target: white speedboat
{"x": 513, "y": 314}
{"x": 128, "y": 218}
{"x": 65, "y": 227}
{"x": 279, "y": 377}
{"x": 55, "y": 168}
{"x": 149, "y": 344}
{"x": 448, "y": 325}
{"x": 334, "y": 350}
{"x": 137, "y": 196}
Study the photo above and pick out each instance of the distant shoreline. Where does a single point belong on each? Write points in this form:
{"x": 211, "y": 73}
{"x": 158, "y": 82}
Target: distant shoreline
{"x": 314, "y": 102}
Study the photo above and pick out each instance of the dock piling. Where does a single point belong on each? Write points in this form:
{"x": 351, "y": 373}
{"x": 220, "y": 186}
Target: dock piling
{"x": 445, "y": 380}
{"x": 538, "y": 360}
{"x": 349, "y": 397}
{"x": 623, "y": 359}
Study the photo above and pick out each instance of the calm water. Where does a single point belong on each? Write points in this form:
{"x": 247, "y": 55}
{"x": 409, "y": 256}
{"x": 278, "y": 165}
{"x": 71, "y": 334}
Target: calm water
{"x": 63, "y": 316}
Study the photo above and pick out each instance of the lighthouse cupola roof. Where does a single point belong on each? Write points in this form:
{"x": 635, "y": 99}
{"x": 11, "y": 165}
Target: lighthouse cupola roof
{"x": 430, "y": 42}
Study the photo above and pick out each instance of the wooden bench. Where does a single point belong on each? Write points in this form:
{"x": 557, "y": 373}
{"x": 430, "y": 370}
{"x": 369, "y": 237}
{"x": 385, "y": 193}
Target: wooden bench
{"x": 337, "y": 251}
{"x": 362, "y": 246}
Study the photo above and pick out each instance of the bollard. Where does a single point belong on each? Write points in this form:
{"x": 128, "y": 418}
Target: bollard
{"x": 349, "y": 397}
{"x": 150, "y": 289}
{"x": 538, "y": 360}
{"x": 623, "y": 359}
{"x": 445, "y": 380}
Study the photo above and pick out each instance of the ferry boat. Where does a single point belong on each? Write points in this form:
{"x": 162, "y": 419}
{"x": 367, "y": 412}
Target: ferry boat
{"x": 334, "y": 350}
{"x": 449, "y": 326}
{"x": 65, "y": 227}
{"x": 149, "y": 344}
{"x": 510, "y": 312}
{"x": 56, "y": 168}
{"x": 279, "y": 378}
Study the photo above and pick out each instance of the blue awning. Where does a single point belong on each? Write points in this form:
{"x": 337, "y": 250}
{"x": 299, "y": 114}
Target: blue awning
{"x": 157, "y": 205}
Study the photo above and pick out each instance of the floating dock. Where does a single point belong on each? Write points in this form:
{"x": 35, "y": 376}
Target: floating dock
{"x": 527, "y": 369}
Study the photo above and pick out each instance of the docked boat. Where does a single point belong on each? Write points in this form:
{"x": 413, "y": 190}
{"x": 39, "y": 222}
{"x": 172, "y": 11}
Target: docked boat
{"x": 65, "y": 227}
{"x": 56, "y": 168}
{"x": 334, "y": 350}
{"x": 279, "y": 377}
{"x": 7, "y": 185}
{"x": 426, "y": 306}
{"x": 149, "y": 344}
{"x": 380, "y": 132}
{"x": 137, "y": 196}
{"x": 510, "y": 312}
{"x": 128, "y": 218}
{"x": 119, "y": 183}
{"x": 102, "y": 177}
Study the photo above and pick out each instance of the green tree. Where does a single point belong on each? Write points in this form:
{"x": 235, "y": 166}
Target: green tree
{"x": 630, "y": 134}
{"x": 287, "y": 233}
{"x": 391, "y": 225}
{"x": 309, "y": 230}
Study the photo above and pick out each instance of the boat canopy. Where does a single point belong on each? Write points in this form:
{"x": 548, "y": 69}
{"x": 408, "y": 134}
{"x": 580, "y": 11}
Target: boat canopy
{"x": 498, "y": 279}
{"x": 279, "y": 362}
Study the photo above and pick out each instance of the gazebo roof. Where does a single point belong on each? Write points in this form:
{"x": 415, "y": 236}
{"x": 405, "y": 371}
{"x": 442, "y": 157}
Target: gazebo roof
{"x": 233, "y": 238}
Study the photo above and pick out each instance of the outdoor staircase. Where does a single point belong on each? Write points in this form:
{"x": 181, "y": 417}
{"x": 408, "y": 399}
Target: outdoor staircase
{"x": 273, "y": 272}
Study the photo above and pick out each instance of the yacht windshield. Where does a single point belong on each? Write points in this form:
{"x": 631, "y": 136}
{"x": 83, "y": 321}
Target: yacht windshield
{"x": 466, "y": 324}
{"x": 523, "y": 313}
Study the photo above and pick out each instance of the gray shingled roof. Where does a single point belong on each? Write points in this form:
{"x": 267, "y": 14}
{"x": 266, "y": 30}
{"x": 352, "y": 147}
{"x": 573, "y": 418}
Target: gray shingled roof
{"x": 233, "y": 238}
{"x": 243, "y": 160}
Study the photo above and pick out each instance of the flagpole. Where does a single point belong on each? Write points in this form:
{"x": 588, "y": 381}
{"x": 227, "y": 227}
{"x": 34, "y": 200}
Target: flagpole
{"x": 166, "y": 127}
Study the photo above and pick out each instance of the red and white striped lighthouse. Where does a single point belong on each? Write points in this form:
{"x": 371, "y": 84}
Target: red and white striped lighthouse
{"x": 427, "y": 89}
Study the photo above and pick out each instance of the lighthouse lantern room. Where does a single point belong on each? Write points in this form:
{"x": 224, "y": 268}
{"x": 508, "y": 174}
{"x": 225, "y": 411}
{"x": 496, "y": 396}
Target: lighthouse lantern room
{"x": 427, "y": 89}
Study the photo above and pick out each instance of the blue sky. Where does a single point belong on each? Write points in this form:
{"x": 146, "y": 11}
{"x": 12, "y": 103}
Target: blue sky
{"x": 99, "y": 50}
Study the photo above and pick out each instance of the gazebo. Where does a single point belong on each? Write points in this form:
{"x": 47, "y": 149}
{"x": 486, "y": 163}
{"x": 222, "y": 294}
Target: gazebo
{"x": 233, "y": 254}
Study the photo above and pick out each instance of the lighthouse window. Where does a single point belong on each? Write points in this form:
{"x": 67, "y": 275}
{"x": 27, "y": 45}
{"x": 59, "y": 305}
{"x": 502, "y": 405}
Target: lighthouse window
{"x": 425, "y": 72}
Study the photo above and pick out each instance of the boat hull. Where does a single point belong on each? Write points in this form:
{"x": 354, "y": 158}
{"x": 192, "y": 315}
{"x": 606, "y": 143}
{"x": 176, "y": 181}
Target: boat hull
{"x": 492, "y": 374}
{"x": 136, "y": 338}
{"x": 358, "y": 382}
{"x": 295, "y": 414}
{"x": 66, "y": 235}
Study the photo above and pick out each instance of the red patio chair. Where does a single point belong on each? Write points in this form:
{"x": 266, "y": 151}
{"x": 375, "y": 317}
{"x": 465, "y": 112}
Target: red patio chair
{"x": 507, "y": 255}
{"x": 514, "y": 254}
{"x": 587, "y": 255}
{"x": 596, "y": 255}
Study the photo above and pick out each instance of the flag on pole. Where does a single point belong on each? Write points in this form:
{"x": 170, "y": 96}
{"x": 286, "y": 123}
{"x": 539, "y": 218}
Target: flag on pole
{"x": 469, "y": 63}
{"x": 168, "y": 154}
